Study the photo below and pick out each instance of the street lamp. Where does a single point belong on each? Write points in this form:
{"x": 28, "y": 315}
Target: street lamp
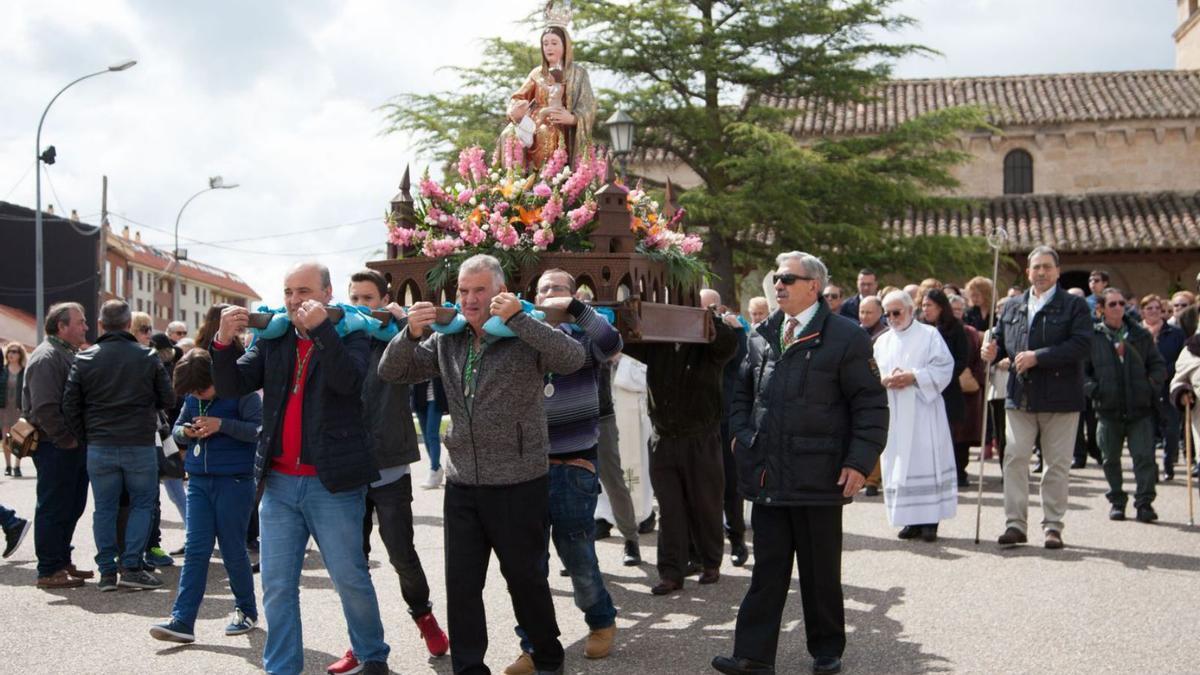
{"x": 214, "y": 183}
{"x": 39, "y": 276}
{"x": 620, "y": 133}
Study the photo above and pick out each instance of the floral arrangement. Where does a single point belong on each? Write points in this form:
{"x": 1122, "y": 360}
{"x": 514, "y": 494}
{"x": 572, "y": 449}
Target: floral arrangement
{"x": 515, "y": 215}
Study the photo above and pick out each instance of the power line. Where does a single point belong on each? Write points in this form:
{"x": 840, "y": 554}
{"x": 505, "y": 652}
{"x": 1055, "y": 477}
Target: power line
{"x": 21, "y": 180}
{"x": 197, "y": 242}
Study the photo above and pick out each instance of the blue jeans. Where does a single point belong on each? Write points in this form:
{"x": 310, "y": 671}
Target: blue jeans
{"x": 573, "y": 492}
{"x": 219, "y": 508}
{"x": 294, "y": 508}
{"x": 8, "y": 517}
{"x": 177, "y": 493}
{"x": 431, "y": 430}
{"x": 62, "y": 489}
{"x": 111, "y": 468}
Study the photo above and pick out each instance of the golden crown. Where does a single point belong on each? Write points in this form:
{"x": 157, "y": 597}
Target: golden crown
{"x": 558, "y": 17}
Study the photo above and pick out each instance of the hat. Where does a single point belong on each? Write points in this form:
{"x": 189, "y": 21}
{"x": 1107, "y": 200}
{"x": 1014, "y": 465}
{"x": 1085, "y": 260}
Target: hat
{"x": 160, "y": 341}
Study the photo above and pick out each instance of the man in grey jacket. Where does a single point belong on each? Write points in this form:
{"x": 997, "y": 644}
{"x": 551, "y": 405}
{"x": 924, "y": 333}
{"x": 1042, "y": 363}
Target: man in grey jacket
{"x": 61, "y": 460}
{"x": 497, "y": 493}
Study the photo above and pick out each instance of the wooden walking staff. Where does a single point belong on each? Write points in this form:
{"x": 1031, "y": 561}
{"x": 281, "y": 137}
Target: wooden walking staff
{"x": 1187, "y": 446}
{"x": 996, "y": 241}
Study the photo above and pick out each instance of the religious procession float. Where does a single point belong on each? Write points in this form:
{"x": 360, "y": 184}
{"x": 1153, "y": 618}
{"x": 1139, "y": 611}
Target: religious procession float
{"x": 546, "y": 197}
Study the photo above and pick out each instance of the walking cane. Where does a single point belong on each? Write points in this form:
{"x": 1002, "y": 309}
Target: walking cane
{"x": 996, "y": 241}
{"x": 1187, "y": 445}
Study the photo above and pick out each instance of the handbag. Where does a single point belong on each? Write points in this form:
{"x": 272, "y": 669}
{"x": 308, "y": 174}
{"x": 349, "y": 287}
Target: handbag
{"x": 22, "y": 438}
{"x": 967, "y": 382}
{"x": 170, "y": 460}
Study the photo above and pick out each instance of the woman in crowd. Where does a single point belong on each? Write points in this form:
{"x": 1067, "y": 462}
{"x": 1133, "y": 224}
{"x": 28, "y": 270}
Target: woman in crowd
{"x": 12, "y": 384}
{"x": 1169, "y": 341}
{"x": 980, "y": 297}
{"x": 936, "y": 311}
{"x": 968, "y": 431}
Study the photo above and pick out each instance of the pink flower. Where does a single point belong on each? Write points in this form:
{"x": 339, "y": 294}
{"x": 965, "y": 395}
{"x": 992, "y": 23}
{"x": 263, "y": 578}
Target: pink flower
{"x": 555, "y": 164}
{"x": 474, "y": 236}
{"x": 507, "y": 236}
{"x": 497, "y": 221}
{"x": 465, "y": 196}
{"x": 581, "y": 216}
{"x": 543, "y": 237}
{"x": 552, "y": 210}
{"x": 691, "y": 244}
{"x": 514, "y": 153}
{"x": 471, "y": 165}
{"x": 675, "y": 219}
{"x": 542, "y": 190}
{"x": 440, "y": 248}
{"x": 577, "y": 183}
{"x": 431, "y": 190}
{"x": 502, "y": 208}
{"x": 599, "y": 167}
{"x": 401, "y": 236}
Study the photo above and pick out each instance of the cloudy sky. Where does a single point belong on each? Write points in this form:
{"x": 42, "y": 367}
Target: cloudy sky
{"x": 281, "y": 97}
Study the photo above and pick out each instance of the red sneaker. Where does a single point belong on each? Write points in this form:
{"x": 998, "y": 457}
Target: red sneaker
{"x": 435, "y": 638}
{"x": 345, "y": 665}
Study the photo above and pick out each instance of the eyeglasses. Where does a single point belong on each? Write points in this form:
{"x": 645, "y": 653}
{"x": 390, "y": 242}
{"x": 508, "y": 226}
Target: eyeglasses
{"x": 144, "y": 329}
{"x": 832, "y": 296}
{"x": 1116, "y": 303}
{"x": 1180, "y": 305}
{"x": 895, "y": 313}
{"x": 788, "y": 279}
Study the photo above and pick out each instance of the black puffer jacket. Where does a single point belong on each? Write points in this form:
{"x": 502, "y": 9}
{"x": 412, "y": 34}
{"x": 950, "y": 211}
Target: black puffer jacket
{"x": 387, "y": 416}
{"x": 332, "y": 435}
{"x": 799, "y": 417}
{"x": 1125, "y": 389}
{"x": 114, "y": 392}
{"x": 1060, "y": 336}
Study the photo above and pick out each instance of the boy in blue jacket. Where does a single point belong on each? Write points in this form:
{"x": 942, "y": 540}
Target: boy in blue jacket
{"x": 219, "y": 436}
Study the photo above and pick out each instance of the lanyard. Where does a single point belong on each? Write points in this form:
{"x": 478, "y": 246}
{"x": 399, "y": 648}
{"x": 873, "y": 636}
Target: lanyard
{"x": 471, "y": 371}
{"x": 301, "y": 364}
{"x": 204, "y": 406}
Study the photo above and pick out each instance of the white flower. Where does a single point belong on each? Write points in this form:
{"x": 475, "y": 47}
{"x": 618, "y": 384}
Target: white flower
{"x": 474, "y": 201}
{"x": 484, "y": 227}
{"x": 653, "y": 206}
{"x": 459, "y": 187}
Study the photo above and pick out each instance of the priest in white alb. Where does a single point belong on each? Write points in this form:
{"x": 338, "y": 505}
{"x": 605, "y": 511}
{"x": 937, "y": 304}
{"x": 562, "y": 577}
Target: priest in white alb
{"x": 919, "y": 475}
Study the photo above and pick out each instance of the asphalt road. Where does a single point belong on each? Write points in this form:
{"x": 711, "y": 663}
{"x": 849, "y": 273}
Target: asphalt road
{"x": 1122, "y": 597}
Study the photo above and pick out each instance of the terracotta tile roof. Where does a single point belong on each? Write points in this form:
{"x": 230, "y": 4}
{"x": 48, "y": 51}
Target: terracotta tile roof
{"x": 1161, "y": 221}
{"x": 1018, "y": 100}
{"x": 157, "y": 259}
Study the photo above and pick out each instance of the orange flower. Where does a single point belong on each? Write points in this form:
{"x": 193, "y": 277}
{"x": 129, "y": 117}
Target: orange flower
{"x": 528, "y": 216}
{"x": 653, "y": 218}
{"x": 638, "y": 224}
{"x": 476, "y": 215}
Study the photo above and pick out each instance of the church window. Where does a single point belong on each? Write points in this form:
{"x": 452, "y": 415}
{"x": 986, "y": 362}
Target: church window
{"x": 1018, "y": 173}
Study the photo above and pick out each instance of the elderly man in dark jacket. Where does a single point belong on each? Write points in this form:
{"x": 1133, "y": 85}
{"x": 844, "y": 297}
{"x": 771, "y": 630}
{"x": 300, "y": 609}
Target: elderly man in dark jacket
{"x": 313, "y": 463}
{"x": 111, "y": 403}
{"x": 810, "y": 419}
{"x": 1125, "y": 373}
{"x": 1046, "y": 333}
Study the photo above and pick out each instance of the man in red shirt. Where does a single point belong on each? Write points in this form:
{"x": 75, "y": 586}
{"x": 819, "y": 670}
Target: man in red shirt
{"x": 313, "y": 464}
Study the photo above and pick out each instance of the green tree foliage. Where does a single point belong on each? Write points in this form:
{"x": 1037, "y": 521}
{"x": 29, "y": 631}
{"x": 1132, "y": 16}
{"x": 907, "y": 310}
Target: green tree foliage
{"x": 704, "y": 80}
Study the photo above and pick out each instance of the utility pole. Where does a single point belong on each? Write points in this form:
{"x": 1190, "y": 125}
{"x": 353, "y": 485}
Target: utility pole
{"x": 102, "y": 245}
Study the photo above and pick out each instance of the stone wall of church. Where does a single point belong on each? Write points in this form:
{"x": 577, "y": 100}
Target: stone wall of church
{"x": 1087, "y": 158}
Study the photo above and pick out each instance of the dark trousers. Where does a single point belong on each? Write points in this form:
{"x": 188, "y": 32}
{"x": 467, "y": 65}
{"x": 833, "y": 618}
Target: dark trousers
{"x": 1084, "y": 448}
{"x": 812, "y": 536}
{"x": 1115, "y": 432}
{"x": 393, "y": 503}
{"x": 1170, "y": 424}
{"x": 688, "y": 475}
{"x": 62, "y": 490}
{"x": 512, "y": 521}
{"x": 735, "y": 520}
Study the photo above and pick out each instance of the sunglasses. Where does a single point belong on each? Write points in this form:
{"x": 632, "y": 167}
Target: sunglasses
{"x": 895, "y": 313}
{"x": 833, "y": 296}
{"x": 144, "y": 329}
{"x": 789, "y": 278}
{"x": 1178, "y": 305}
{"x": 1116, "y": 303}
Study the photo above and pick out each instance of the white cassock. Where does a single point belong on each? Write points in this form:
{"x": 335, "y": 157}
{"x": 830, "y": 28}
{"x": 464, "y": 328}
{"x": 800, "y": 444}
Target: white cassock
{"x": 631, "y": 405}
{"x": 920, "y": 481}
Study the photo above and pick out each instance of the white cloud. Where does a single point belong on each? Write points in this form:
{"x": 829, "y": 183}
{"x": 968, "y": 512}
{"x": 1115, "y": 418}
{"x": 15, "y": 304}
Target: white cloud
{"x": 281, "y": 97}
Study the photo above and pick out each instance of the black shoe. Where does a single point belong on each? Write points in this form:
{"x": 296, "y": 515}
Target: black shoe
{"x": 603, "y": 529}
{"x": 140, "y": 579}
{"x": 647, "y": 525}
{"x": 1012, "y": 537}
{"x": 1078, "y": 463}
{"x": 731, "y": 665}
{"x": 739, "y": 553}
{"x": 17, "y": 472}
{"x": 1116, "y": 513}
{"x": 381, "y": 668}
{"x": 1168, "y": 472}
{"x": 252, "y": 546}
{"x": 666, "y": 587}
{"x": 1146, "y": 514}
{"x": 255, "y": 568}
{"x": 13, "y": 536}
{"x": 827, "y": 665}
{"x": 8, "y": 471}
{"x": 178, "y": 551}
{"x": 693, "y": 568}
{"x": 929, "y": 533}
{"x": 910, "y": 532}
{"x": 1196, "y": 471}
{"x": 108, "y": 582}
{"x": 633, "y": 554}
{"x": 1038, "y": 468}
{"x": 964, "y": 482}
{"x": 872, "y": 491}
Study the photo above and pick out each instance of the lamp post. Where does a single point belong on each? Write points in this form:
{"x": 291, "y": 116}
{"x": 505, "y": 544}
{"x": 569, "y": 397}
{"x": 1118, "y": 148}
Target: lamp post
{"x": 39, "y": 276}
{"x": 620, "y": 133}
{"x": 214, "y": 183}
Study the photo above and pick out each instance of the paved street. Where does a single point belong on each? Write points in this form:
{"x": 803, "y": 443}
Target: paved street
{"x": 1121, "y": 598}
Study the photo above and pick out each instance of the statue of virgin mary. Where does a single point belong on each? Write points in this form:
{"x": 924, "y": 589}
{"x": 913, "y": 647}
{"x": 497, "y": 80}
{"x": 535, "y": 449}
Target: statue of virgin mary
{"x": 555, "y": 107}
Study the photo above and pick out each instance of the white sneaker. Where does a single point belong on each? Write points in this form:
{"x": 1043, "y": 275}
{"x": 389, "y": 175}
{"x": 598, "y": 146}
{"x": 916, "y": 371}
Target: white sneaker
{"x": 434, "y": 480}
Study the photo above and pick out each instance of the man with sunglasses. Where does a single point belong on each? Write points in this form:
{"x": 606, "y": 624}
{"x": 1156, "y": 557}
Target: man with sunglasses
{"x": 834, "y": 295}
{"x": 1046, "y": 334}
{"x": 809, "y": 420}
{"x": 1124, "y": 373}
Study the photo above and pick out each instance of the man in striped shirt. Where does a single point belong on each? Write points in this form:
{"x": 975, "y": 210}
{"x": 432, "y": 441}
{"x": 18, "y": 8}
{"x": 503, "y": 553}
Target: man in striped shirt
{"x": 572, "y": 406}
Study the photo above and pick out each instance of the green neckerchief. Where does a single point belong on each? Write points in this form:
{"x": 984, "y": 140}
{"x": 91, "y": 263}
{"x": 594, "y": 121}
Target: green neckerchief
{"x": 54, "y": 339}
{"x": 1118, "y": 337}
{"x": 471, "y": 369}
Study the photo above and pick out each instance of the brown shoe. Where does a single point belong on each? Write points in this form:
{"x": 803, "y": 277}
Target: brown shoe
{"x": 1053, "y": 540}
{"x": 59, "y": 579}
{"x": 1011, "y": 537}
{"x": 711, "y": 576}
{"x": 600, "y": 642}
{"x": 522, "y": 666}
{"x": 77, "y": 573}
{"x": 666, "y": 587}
